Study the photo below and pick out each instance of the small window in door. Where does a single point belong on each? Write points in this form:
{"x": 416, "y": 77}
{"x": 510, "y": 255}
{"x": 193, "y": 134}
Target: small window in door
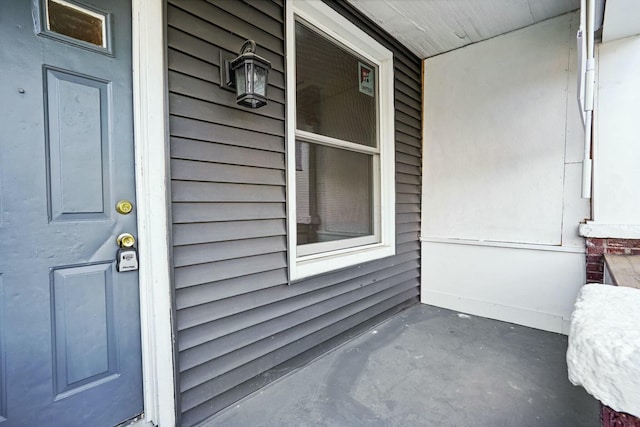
{"x": 75, "y": 23}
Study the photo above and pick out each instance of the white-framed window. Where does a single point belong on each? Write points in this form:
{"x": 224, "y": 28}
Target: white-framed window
{"x": 340, "y": 136}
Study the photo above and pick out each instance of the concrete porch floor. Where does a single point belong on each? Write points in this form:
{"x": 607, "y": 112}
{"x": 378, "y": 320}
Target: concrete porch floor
{"x": 427, "y": 366}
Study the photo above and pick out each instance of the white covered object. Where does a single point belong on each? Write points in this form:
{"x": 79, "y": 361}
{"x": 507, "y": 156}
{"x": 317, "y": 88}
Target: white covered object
{"x": 604, "y": 345}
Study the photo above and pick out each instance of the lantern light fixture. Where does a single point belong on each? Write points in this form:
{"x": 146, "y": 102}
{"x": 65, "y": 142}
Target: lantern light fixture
{"x": 249, "y": 75}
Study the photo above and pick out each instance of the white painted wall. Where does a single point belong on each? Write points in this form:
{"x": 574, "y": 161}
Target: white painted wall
{"x": 621, "y": 19}
{"x": 616, "y": 198}
{"x": 535, "y": 288}
{"x": 501, "y": 177}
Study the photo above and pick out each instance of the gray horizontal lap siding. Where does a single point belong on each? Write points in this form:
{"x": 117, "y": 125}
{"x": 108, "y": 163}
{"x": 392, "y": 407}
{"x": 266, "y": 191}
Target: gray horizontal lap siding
{"x": 238, "y": 321}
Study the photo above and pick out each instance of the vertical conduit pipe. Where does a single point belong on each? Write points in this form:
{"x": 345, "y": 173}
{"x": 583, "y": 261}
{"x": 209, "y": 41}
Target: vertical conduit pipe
{"x": 589, "y": 86}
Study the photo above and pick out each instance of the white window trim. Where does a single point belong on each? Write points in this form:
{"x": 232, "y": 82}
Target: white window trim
{"x": 325, "y": 19}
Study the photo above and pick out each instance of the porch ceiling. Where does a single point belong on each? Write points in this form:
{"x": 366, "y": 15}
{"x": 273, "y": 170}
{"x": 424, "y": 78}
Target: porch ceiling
{"x": 430, "y": 27}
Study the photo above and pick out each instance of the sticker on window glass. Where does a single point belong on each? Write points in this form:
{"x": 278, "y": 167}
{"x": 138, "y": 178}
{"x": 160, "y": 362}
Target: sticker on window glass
{"x": 366, "y": 81}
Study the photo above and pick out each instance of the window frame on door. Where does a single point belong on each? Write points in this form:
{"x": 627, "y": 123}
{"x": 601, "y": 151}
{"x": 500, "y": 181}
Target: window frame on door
{"x": 329, "y": 256}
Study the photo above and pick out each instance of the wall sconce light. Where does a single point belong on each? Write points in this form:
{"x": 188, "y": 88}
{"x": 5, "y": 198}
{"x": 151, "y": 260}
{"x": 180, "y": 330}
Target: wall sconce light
{"x": 248, "y": 74}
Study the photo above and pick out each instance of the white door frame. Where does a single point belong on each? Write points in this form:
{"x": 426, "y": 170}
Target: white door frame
{"x": 152, "y": 189}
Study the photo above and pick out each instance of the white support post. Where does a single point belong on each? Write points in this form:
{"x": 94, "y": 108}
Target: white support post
{"x": 151, "y": 157}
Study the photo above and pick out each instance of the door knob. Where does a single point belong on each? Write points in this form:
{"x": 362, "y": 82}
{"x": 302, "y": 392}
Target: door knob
{"x": 126, "y": 240}
{"x": 124, "y": 207}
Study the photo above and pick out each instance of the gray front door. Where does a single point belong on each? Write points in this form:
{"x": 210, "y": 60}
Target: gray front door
{"x": 69, "y": 322}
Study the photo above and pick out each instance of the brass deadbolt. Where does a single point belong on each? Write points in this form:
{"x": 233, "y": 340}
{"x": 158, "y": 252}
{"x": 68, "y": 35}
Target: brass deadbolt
{"x": 124, "y": 207}
{"x": 126, "y": 240}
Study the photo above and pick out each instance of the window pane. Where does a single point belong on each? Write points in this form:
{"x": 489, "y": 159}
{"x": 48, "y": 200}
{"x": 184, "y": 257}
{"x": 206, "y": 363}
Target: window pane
{"x": 334, "y": 194}
{"x": 72, "y": 21}
{"x": 336, "y": 90}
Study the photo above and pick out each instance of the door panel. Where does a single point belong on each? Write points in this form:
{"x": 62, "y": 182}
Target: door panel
{"x": 69, "y": 323}
{"x": 84, "y": 339}
{"x": 77, "y": 111}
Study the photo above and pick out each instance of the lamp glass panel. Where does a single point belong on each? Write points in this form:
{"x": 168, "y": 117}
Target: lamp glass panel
{"x": 260, "y": 80}
{"x": 241, "y": 81}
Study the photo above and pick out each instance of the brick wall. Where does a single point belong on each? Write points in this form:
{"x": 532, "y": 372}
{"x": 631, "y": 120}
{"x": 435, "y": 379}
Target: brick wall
{"x": 611, "y": 418}
{"x": 596, "y": 248}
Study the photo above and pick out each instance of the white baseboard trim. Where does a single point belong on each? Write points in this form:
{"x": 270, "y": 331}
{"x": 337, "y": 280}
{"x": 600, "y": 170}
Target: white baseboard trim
{"x": 518, "y": 315}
